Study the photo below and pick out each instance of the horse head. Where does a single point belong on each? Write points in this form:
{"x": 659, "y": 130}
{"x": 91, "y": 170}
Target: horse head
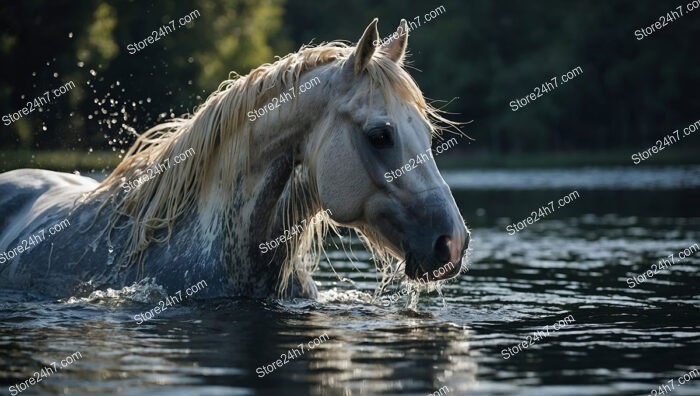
{"x": 374, "y": 123}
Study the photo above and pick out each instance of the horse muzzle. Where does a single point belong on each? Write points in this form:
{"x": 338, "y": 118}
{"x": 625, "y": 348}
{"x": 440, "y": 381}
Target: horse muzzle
{"x": 443, "y": 261}
{"x": 428, "y": 233}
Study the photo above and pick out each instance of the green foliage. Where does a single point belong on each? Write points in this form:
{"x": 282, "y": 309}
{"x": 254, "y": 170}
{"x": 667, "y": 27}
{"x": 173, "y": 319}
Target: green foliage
{"x": 477, "y": 55}
{"x": 98, "y": 41}
{"x": 118, "y": 92}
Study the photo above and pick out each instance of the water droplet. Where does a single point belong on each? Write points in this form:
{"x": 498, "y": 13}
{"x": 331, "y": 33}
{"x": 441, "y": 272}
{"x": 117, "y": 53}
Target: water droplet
{"x": 93, "y": 72}
{"x": 44, "y": 127}
{"x": 110, "y": 257}
{"x": 190, "y": 59}
{"x": 55, "y": 75}
{"x": 70, "y": 35}
{"x": 148, "y": 100}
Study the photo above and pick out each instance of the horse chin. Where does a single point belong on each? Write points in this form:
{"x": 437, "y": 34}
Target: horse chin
{"x": 418, "y": 267}
{"x": 415, "y": 270}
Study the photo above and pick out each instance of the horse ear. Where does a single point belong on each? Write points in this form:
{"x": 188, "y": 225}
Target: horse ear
{"x": 395, "y": 48}
{"x": 366, "y": 46}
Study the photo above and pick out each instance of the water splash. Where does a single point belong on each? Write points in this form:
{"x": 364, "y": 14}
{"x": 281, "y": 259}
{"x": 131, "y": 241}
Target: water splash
{"x": 335, "y": 295}
{"x": 144, "y": 291}
{"x": 111, "y": 255}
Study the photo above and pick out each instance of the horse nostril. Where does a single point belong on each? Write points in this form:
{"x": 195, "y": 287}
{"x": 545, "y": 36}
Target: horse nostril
{"x": 442, "y": 249}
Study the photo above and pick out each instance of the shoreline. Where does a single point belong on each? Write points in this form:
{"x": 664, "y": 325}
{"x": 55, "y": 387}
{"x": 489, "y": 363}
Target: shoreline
{"x": 105, "y": 161}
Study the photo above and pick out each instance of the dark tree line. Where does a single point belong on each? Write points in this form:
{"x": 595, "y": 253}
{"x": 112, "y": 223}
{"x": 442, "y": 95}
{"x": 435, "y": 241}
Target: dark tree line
{"x": 478, "y": 56}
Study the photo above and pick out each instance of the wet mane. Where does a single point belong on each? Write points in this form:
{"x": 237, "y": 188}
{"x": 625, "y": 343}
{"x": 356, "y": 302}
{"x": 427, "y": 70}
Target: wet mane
{"x": 157, "y": 204}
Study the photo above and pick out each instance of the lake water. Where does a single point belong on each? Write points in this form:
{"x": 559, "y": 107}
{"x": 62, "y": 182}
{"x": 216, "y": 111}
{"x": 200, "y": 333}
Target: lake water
{"x": 565, "y": 277}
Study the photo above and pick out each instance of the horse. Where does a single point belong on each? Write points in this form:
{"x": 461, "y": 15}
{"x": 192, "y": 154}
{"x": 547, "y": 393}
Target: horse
{"x": 336, "y": 117}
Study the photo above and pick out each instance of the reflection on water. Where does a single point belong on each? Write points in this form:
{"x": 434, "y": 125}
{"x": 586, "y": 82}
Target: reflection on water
{"x": 573, "y": 262}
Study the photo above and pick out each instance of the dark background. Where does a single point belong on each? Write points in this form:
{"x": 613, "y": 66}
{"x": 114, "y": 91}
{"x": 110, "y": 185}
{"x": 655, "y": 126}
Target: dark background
{"x": 476, "y": 55}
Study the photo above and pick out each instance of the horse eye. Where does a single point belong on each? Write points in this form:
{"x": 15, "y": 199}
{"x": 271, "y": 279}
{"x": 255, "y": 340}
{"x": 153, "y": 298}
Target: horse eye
{"x": 380, "y": 137}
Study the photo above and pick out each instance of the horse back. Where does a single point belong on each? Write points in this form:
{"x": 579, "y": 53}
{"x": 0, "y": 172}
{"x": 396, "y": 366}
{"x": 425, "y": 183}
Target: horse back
{"x": 29, "y": 196}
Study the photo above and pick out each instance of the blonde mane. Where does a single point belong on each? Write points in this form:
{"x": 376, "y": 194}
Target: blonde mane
{"x": 157, "y": 204}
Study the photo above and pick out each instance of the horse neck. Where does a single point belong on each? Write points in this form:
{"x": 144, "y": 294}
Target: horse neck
{"x": 255, "y": 207}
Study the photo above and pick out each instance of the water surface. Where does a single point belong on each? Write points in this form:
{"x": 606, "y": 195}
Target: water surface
{"x": 574, "y": 262}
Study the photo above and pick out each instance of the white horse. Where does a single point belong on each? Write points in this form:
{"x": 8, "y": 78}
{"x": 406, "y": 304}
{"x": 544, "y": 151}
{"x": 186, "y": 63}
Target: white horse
{"x": 336, "y": 118}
